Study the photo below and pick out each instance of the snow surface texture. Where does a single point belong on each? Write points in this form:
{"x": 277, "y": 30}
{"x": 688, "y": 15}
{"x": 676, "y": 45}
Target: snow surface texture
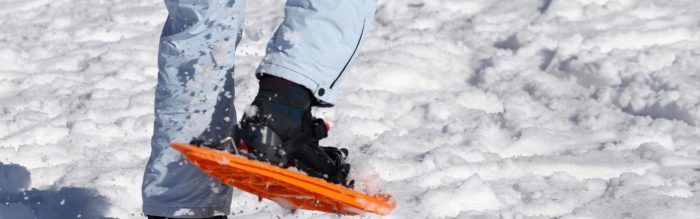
{"x": 478, "y": 108}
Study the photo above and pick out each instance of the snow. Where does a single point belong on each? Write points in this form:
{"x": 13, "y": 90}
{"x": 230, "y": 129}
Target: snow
{"x": 183, "y": 212}
{"x": 466, "y": 109}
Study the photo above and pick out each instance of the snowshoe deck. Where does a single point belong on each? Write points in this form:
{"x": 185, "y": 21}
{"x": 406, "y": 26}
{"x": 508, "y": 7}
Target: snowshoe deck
{"x": 290, "y": 189}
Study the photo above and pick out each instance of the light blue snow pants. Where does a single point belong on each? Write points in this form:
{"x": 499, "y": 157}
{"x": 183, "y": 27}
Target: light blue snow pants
{"x": 313, "y": 46}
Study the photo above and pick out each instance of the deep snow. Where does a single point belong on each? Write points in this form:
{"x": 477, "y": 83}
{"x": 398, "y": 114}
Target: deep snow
{"x": 478, "y": 108}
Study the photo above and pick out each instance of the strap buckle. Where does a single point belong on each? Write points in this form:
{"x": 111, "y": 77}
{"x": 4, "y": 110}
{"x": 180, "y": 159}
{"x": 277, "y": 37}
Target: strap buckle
{"x": 319, "y": 129}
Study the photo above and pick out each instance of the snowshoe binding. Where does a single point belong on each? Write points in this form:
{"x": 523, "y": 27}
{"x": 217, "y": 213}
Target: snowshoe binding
{"x": 279, "y": 129}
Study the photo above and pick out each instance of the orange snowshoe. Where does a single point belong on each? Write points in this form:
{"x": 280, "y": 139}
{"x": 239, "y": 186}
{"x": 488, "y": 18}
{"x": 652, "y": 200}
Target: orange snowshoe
{"x": 289, "y": 188}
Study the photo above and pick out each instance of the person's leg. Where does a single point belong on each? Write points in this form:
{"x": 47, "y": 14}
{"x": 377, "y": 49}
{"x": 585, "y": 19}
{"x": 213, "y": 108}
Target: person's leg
{"x": 194, "y": 98}
{"x": 316, "y": 43}
{"x": 307, "y": 56}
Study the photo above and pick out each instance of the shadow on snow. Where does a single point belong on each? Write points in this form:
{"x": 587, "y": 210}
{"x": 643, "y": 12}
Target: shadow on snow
{"x": 17, "y": 201}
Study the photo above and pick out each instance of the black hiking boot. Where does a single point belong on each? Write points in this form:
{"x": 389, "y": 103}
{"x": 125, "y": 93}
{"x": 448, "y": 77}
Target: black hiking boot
{"x": 279, "y": 129}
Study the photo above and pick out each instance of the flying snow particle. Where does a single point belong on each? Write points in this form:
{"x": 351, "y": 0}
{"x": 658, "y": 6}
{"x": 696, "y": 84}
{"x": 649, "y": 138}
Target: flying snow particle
{"x": 222, "y": 161}
{"x": 251, "y": 111}
{"x": 292, "y": 37}
{"x": 183, "y": 212}
{"x": 214, "y": 187}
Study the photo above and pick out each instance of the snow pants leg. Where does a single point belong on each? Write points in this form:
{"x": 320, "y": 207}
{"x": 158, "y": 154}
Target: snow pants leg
{"x": 316, "y": 43}
{"x": 194, "y": 98}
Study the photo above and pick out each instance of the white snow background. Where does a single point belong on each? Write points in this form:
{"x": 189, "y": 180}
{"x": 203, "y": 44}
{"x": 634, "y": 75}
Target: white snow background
{"x": 466, "y": 108}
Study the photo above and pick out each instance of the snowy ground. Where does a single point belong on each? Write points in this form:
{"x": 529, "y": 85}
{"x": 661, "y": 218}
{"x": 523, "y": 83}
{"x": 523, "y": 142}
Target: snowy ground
{"x": 478, "y": 108}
